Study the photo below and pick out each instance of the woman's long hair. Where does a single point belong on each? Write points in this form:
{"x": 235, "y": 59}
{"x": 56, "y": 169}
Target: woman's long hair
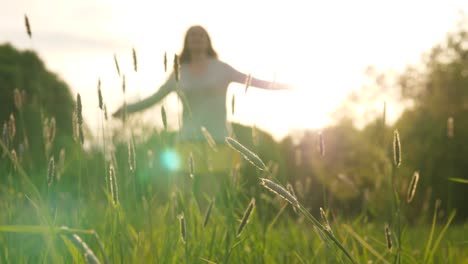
{"x": 185, "y": 54}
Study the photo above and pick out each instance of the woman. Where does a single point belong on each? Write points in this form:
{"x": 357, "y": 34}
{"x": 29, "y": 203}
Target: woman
{"x": 204, "y": 81}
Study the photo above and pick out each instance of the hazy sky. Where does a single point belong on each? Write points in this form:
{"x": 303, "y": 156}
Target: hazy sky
{"x": 320, "y": 47}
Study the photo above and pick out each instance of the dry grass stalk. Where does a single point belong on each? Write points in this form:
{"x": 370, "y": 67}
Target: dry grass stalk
{"x": 412, "y": 187}
{"x": 113, "y": 185}
{"x": 135, "y": 62}
{"x": 123, "y": 83}
{"x": 209, "y": 138}
{"x": 396, "y": 149}
{"x": 325, "y": 220}
{"x": 131, "y": 155}
{"x": 388, "y": 237}
{"x": 164, "y": 117}
{"x": 101, "y": 104}
{"x": 279, "y": 190}
{"x": 116, "y": 64}
{"x": 28, "y": 26}
{"x": 88, "y": 254}
{"x": 208, "y": 213}
{"x": 246, "y": 216}
{"x": 183, "y": 228}
{"x": 248, "y": 155}
{"x": 12, "y": 128}
{"x": 51, "y": 171}
{"x": 18, "y": 99}
{"x": 191, "y": 165}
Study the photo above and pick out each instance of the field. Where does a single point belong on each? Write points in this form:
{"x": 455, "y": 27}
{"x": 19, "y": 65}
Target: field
{"x": 109, "y": 216}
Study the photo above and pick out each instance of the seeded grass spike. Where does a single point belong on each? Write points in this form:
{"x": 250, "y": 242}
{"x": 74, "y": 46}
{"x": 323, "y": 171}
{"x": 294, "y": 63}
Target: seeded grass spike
{"x": 183, "y": 228}
{"x": 113, "y": 185}
{"x": 88, "y": 254}
{"x": 131, "y": 155}
{"x": 101, "y": 104}
{"x": 208, "y": 213}
{"x": 191, "y": 165}
{"x": 116, "y": 64}
{"x": 246, "y": 216}
{"x": 246, "y": 153}
{"x": 388, "y": 237}
{"x": 412, "y": 187}
{"x": 396, "y": 149}
{"x": 50, "y": 171}
{"x": 164, "y": 117}
{"x": 279, "y": 190}
{"x": 135, "y": 62}
{"x": 209, "y": 138}
{"x": 28, "y": 26}
{"x": 325, "y": 220}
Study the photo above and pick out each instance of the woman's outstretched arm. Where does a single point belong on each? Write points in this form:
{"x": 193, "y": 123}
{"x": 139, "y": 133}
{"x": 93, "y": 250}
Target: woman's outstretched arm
{"x": 165, "y": 89}
{"x": 240, "y": 77}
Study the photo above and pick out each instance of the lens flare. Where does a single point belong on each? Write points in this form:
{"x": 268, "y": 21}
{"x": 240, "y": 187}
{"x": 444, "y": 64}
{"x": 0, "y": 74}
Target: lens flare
{"x": 170, "y": 160}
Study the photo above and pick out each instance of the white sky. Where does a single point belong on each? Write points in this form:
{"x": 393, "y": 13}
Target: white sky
{"x": 320, "y": 47}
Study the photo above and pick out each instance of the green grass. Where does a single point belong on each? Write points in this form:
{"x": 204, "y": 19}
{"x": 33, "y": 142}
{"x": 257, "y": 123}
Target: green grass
{"x": 144, "y": 228}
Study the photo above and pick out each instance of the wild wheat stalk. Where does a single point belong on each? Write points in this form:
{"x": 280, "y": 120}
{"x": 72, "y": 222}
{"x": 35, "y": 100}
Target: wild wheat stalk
{"x": 28, "y": 26}
{"x": 279, "y": 190}
{"x": 88, "y": 254}
{"x": 183, "y": 228}
{"x": 209, "y": 138}
{"x": 208, "y": 213}
{"x": 116, "y": 64}
{"x": 388, "y": 237}
{"x": 51, "y": 171}
{"x": 246, "y": 153}
{"x": 246, "y": 216}
{"x": 135, "y": 62}
{"x": 412, "y": 187}
{"x": 396, "y": 149}
{"x": 325, "y": 220}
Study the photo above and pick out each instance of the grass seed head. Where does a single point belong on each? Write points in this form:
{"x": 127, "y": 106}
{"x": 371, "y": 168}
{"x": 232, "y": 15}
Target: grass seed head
{"x": 279, "y": 190}
{"x": 396, "y": 149}
{"x": 51, "y": 171}
{"x": 101, "y": 104}
{"x": 164, "y": 117}
{"x": 28, "y": 26}
{"x": 208, "y": 213}
{"x": 412, "y": 187}
{"x": 245, "y": 218}
{"x": 183, "y": 228}
{"x": 388, "y": 237}
{"x": 165, "y": 61}
{"x": 12, "y": 128}
{"x": 135, "y": 62}
{"x": 18, "y": 99}
{"x": 116, "y": 64}
{"x": 246, "y": 153}
{"x": 209, "y": 138}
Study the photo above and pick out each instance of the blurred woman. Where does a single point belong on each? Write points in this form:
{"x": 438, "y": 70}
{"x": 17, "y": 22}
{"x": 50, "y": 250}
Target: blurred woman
{"x": 203, "y": 84}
